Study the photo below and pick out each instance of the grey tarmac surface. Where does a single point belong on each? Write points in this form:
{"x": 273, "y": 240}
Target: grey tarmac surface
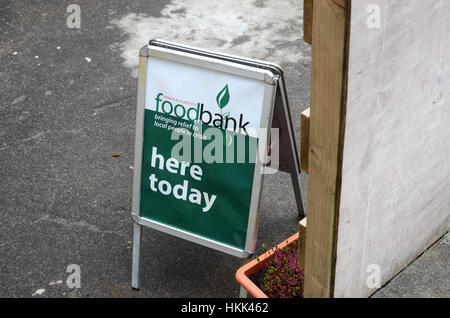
{"x": 67, "y": 103}
{"x": 64, "y": 198}
{"x": 426, "y": 277}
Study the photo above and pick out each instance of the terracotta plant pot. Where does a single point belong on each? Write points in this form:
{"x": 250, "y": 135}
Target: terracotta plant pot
{"x": 243, "y": 274}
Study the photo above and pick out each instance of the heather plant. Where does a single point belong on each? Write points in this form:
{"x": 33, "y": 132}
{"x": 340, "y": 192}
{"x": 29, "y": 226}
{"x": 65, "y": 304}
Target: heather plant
{"x": 283, "y": 277}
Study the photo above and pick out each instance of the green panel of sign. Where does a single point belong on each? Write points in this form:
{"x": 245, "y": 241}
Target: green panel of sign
{"x": 181, "y": 188}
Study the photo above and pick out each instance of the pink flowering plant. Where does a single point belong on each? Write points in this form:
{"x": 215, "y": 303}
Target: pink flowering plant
{"x": 283, "y": 277}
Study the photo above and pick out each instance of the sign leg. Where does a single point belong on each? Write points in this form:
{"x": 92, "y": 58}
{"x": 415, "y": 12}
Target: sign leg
{"x": 289, "y": 161}
{"x": 135, "y": 275}
{"x": 298, "y": 194}
{"x": 243, "y": 293}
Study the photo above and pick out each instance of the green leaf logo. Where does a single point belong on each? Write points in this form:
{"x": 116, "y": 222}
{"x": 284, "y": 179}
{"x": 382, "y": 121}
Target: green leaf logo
{"x": 223, "y": 97}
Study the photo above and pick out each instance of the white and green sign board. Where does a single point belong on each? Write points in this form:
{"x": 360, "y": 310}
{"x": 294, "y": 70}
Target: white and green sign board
{"x": 197, "y": 166}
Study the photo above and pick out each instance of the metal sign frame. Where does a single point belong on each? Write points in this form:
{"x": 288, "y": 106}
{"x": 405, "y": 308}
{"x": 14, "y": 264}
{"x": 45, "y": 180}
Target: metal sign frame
{"x": 274, "y": 94}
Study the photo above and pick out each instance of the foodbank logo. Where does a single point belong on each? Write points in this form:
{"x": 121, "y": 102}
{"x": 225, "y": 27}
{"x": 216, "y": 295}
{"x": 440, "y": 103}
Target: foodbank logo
{"x": 223, "y": 98}
{"x": 199, "y": 113}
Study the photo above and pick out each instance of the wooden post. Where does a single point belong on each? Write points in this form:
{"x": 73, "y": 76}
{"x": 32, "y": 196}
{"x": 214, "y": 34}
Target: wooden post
{"x": 301, "y": 243}
{"x": 307, "y": 20}
{"x": 304, "y": 140}
{"x": 328, "y": 101}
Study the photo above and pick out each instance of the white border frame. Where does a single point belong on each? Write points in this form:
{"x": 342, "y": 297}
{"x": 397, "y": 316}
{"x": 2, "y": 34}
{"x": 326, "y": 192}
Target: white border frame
{"x": 271, "y": 82}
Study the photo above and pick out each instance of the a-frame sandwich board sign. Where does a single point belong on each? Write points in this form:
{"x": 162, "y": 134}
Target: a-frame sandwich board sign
{"x": 202, "y": 138}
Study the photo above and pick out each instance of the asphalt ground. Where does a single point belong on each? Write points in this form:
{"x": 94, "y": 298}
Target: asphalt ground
{"x": 67, "y": 103}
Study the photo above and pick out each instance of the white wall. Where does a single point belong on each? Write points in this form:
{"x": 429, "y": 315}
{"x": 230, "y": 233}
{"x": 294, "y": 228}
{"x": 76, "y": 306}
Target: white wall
{"x": 395, "y": 195}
